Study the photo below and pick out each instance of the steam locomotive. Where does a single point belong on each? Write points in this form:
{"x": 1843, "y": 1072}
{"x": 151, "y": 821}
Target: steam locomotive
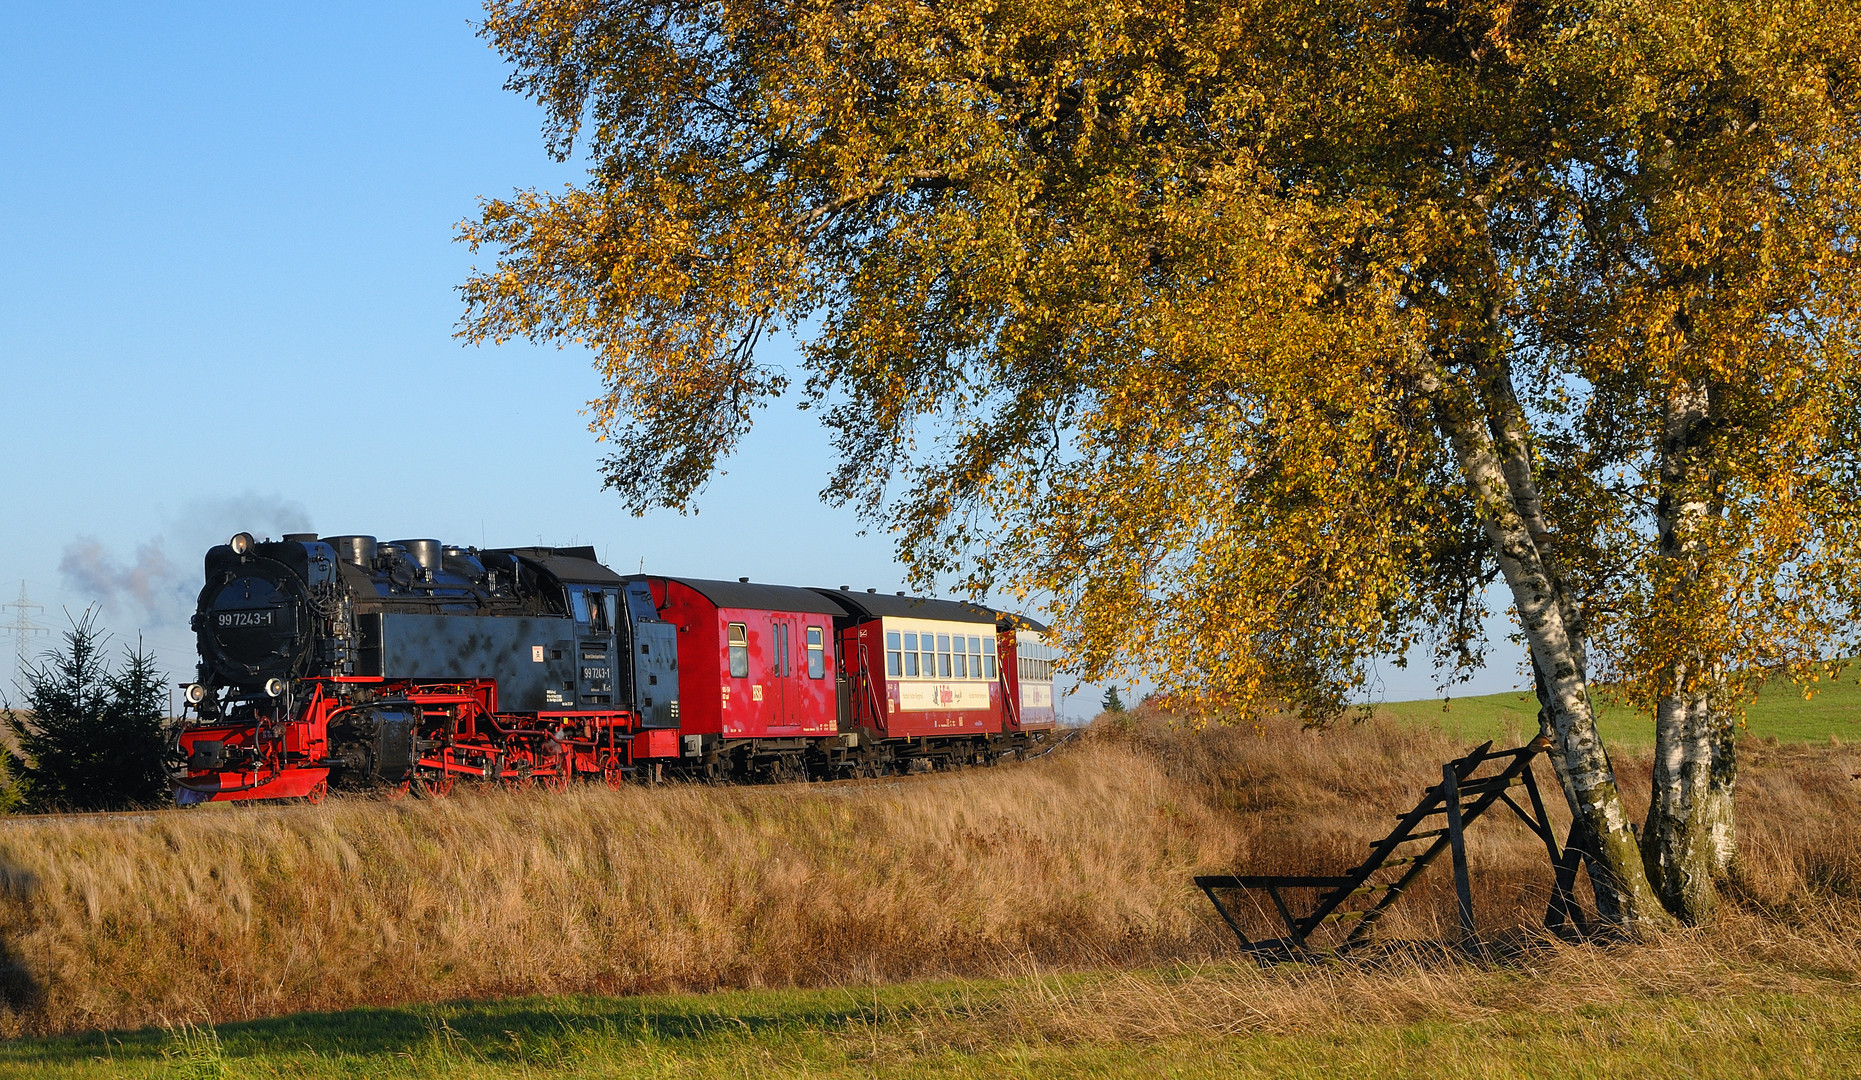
{"x": 343, "y": 663}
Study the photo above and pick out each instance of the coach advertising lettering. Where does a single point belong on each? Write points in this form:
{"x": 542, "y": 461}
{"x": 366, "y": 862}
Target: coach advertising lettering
{"x": 925, "y": 696}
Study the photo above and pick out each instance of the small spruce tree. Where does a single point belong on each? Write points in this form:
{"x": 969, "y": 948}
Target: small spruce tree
{"x": 89, "y": 737}
{"x": 1112, "y": 702}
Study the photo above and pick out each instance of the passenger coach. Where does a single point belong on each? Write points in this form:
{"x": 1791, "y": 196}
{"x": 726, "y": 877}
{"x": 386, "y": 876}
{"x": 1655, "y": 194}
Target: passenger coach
{"x": 919, "y": 669}
{"x": 756, "y": 668}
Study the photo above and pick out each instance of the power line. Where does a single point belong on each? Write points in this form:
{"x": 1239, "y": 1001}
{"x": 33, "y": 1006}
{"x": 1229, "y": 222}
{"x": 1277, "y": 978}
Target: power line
{"x": 23, "y": 628}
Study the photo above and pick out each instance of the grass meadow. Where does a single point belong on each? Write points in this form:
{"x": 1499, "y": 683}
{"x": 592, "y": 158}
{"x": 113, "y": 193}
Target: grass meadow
{"x": 1780, "y": 713}
{"x": 1030, "y": 920}
{"x": 1570, "y": 1013}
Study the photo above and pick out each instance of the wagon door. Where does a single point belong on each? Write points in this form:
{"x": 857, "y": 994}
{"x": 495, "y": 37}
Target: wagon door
{"x": 781, "y": 665}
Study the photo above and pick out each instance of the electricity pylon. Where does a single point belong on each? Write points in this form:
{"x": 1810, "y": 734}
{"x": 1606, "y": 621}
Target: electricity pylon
{"x": 23, "y": 629}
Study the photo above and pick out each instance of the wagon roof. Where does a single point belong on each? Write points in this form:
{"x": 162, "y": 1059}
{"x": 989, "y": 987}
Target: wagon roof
{"x": 751, "y": 595}
{"x": 879, "y": 605}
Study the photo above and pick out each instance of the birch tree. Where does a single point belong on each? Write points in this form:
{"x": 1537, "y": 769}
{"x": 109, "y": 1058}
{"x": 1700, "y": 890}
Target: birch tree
{"x": 1262, "y": 336}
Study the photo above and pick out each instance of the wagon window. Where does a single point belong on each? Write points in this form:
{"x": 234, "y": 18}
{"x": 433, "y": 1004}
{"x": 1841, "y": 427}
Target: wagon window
{"x": 975, "y": 658}
{"x": 893, "y": 665}
{"x": 911, "y": 656}
{"x": 928, "y": 650}
{"x": 817, "y": 654}
{"x": 988, "y": 658}
{"x": 739, "y": 651}
{"x": 943, "y": 656}
{"x": 961, "y": 660}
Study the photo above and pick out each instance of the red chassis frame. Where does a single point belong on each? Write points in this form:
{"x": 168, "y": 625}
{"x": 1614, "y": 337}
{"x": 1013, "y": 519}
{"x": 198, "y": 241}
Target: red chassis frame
{"x": 475, "y": 741}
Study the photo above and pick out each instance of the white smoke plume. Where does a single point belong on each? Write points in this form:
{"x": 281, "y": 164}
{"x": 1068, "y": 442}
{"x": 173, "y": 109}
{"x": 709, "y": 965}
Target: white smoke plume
{"x": 150, "y": 584}
{"x": 162, "y": 580}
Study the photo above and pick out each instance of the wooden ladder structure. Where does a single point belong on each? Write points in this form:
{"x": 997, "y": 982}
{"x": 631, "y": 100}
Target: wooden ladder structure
{"x": 1460, "y": 799}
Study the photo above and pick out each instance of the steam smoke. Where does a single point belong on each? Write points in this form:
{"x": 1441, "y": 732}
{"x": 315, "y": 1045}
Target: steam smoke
{"x": 151, "y": 583}
{"x": 162, "y": 580}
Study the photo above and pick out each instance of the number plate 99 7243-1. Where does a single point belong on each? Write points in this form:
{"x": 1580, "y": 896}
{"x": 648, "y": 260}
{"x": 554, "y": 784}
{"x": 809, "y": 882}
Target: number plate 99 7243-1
{"x": 246, "y": 618}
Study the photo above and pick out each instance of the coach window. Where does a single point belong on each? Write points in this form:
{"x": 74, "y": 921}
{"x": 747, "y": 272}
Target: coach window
{"x": 960, "y": 658}
{"x": 739, "y": 651}
{"x": 893, "y": 665}
{"x": 817, "y": 654}
{"x": 988, "y": 658}
{"x": 943, "y": 656}
{"x": 928, "y": 650}
{"x": 911, "y": 656}
{"x": 975, "y": 658}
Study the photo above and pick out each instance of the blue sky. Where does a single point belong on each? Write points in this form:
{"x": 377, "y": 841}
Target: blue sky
{"x": 227, "y": 301}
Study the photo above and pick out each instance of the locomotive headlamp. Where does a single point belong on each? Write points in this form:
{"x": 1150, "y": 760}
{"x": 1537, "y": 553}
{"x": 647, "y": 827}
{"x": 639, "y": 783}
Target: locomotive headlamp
{"x": 240, "y": 543}
{"x": 195, "y": 692}
{"x": 274, "y": 687}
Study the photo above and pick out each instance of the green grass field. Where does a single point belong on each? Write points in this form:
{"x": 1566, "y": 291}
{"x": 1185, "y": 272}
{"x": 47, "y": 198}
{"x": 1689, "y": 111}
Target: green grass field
{"x": 956, "y": 1029}
{"x": 1780, "y": 712}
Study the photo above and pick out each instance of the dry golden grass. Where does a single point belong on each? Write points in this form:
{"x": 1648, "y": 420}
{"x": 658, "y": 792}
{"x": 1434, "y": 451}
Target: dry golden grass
{"x": 1078, "y": 860}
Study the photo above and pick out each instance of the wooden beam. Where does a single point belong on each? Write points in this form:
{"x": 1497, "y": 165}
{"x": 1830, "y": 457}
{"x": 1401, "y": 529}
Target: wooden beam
{"x": 1457, "y": 840}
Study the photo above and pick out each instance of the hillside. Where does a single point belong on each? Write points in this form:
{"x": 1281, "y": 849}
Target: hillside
{"x": 1781, "y": 714}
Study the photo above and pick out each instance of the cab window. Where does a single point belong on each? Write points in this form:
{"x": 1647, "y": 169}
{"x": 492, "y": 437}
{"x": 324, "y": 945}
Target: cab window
{"x": 817, "y": 653}
{"x": 739, "y": 651}
{"x": 591, "y": 608}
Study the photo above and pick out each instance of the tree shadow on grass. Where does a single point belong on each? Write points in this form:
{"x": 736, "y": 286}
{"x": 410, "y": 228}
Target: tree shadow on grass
{"x": 489, "y": 1031}
{"x": 20, "y": 991}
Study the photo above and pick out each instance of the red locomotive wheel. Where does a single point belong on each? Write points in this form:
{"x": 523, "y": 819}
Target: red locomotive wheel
{"x": 558, "y": 781}
{"x": 397, "y": 792}
{"x": 612, "y": 773}
{"x": 435, "y": 787}
{"x": 316, "y": 794}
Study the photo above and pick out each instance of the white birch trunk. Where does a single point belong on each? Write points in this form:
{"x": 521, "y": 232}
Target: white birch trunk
{"x": 1689, "y": 816}
{"x": 1689, "y": 836}
{"x": 1719, "y": 790}
{"x": 1506, "y": 497}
